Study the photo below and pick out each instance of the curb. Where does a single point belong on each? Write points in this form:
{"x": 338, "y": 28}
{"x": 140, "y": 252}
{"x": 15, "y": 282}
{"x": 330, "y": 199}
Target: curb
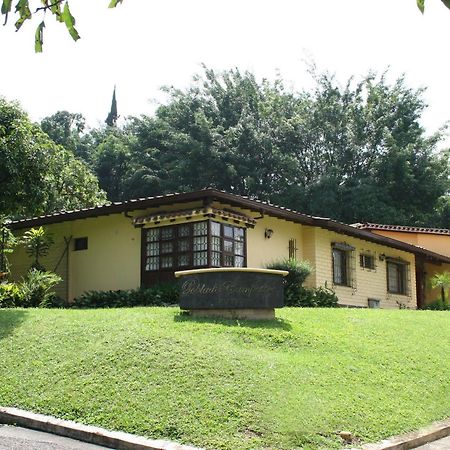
{"x": 86, "y": 433}
{"x": 437, "y": 430}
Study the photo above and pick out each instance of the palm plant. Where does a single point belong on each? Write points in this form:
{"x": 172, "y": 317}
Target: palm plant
{"x": 442, "y": 282}
{"x": 37, "y": 244}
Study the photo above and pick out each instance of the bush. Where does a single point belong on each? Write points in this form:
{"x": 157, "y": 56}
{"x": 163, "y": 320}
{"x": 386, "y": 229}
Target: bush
{"x": 438, "y": 305}
{"x": 36, "y": 289}
{"x": 159, "y": 295}
{"x": 294, "y": 292}
{"x": 10, "y": 295}
{"x": 298, "y": 272}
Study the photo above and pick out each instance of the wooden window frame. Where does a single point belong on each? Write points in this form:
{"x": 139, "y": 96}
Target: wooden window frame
{"x": 401, "y": 275}
{"x": 346, "y": 259}
{"x": 209, "y": 236}
{"x": 363, "y": 256}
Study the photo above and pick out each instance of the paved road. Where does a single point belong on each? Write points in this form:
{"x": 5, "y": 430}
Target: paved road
{"x": 441, "y": 444}
{"x": 15, "y": 438}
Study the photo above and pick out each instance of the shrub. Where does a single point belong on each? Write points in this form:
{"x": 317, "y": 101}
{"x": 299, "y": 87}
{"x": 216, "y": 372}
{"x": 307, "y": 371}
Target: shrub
{"x": 438, "y": 305}
{"x": 159, "y": 295}
{"x": 298, "y": 272}
{"x": 10, "y": 295}
{"x": 324, "y": 297}
{"x": 36, "y": 289}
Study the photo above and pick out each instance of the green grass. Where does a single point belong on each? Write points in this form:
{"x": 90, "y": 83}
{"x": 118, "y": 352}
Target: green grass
{"x": 290, "y": 383}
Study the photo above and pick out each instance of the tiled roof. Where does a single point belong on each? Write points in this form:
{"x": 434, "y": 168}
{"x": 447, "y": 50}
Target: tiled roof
{"x": 243, "y": 202}
{"x": 403, "y": 228}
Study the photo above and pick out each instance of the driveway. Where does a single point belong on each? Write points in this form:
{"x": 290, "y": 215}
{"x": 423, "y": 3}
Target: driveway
{"x": 15, "y": 438}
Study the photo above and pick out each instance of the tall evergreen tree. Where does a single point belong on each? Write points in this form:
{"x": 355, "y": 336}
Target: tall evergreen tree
{"x": 111, "y": 120}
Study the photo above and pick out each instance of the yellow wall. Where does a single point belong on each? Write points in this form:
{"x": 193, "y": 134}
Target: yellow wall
{"x": 366, "y": 283}
{"x": 439, "y": 243}
{"x": 112, "y": 260}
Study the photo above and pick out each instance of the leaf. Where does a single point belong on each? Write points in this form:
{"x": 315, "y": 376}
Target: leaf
{"x": 114, "y": 3}
{"x": 55, "y": 8}
{"x": 446, "y": 3}
{"x": 39, "y": 37}
{"x": 23, "y": 9}
{"x": 69, "y": 20}
{"x": 6, "y": 6}
{"x": 421, "y": 5}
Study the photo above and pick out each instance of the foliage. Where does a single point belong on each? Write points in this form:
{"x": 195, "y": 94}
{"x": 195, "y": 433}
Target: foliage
{"x": 36, "y": 175}
{"x": 285, "y": 384}
{"x": 159, "y": 295}
{"x": 37, "y": 288}
{"x": 37, "y": 245}
{"x": 59, "y": 9}
{"x": 442, "y": 281}
{"x": 421, "y": 4}
{"x": 7, "y": 243}
{"x": 354, "y": 153}
{"x": 323, "y": 297}
{"x": 438, "y": 305}
{"x": 11, "y": 295}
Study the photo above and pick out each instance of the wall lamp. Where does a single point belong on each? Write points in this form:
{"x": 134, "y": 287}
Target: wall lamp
{"x": 268, "y": 233}
{"x": 382, "y": 257}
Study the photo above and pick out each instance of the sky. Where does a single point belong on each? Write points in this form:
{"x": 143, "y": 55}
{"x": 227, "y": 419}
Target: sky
{"x": 144, "y": 44}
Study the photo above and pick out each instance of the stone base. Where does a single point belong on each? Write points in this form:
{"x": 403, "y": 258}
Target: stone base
{"x": 243, "y": 314}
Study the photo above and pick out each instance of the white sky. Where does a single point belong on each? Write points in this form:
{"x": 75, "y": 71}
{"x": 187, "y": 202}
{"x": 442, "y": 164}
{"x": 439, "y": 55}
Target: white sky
{"x": 144, "y": 44}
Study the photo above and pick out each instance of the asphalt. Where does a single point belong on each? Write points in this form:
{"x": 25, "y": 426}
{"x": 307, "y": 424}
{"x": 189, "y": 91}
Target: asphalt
{"x": 441, "y": 444}
{"x": 16, "y": 438}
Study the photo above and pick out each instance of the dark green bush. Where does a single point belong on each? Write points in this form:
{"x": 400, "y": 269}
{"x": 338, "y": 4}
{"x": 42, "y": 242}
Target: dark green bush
{"x": 159, "y": 295}
{"x": 438, "y": 305}
{"x": 294, "y": 292}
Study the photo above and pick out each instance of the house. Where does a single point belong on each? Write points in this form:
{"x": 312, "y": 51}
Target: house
{"x": 434, "y": 239}
{"x": 142, "y": 242}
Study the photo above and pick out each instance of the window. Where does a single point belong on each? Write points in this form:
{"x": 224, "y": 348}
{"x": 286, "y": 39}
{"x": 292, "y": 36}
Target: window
{"x": 292, "y": 248}
{"x": 341, "y": 255}
{"x": 80, "y": 244}
{"x": 396, "y": 277}
{"x": 367, "y": 261}
{"x": 198, "y": 244}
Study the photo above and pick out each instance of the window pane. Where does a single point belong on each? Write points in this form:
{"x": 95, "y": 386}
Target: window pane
{"x": 183, "y": 245}
{"x": 228, "y": 260}
{"x": 183, "y": 230}
{"x": 200, "y": 243}
{"x": 238, "y": 261}
{"x": 393, "y": 278}
{"x": 152, "y": 263}
{"x": 228, "y": 231}
{"x": 166, "y": 247}
{"x": 215, "y": 228}
{"x": 166, "y": 262}
{"x": 227, "y": 246}
{"x": 215, "y": 259}
{"x": 200, "y": 258}
{"x": 239, "y": 234}
{"x": 153, "y": 234}
{"x": 200, "y": 228}
{"x": 153, "y": 249}
{"x": 239, "y": 248}
{"x": 215, "y": 244}
{"x": 183, "y": 260}
{"x": 339, "y": 266}
{"x": 167, "y": 233}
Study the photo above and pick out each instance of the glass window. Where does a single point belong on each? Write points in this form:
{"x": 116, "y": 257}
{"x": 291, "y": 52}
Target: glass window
{"x": 396, "y": 277}
{"x": 367, "y": 261}
{"x": 190, "y": 245}
{"x": 341, "y": 267}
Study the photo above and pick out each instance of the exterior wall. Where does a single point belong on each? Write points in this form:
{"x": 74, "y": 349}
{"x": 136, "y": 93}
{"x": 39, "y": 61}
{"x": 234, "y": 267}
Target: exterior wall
{"x": 439, "y": 243}
{"x": 432, "y": 269}
{"x": 112, "y": 260}
{"x": 262, "y": 251}
{"x": 366, "y": 283}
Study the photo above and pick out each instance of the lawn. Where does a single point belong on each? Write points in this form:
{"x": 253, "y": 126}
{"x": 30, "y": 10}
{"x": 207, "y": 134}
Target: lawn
{"x": 290, "y": 383}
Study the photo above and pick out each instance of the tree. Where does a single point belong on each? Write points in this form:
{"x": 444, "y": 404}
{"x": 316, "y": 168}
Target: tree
{"x": 37, "y": 245}
{"x": 442, "y": 282}
{"x": 38, "y": 176}
{"x": 354, "y": 153}
{"x": 421, "y": 4}
{"x": 26, "y": 9}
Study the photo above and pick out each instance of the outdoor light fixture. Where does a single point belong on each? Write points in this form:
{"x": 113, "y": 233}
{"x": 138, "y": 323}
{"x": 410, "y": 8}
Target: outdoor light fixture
{"x": 268, "y": 233}
{"x": 382, "y": 257}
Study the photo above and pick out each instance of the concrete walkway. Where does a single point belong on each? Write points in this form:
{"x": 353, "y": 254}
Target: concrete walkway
{"x": 16, "y": 438}
{"x": 441, "y": 444}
